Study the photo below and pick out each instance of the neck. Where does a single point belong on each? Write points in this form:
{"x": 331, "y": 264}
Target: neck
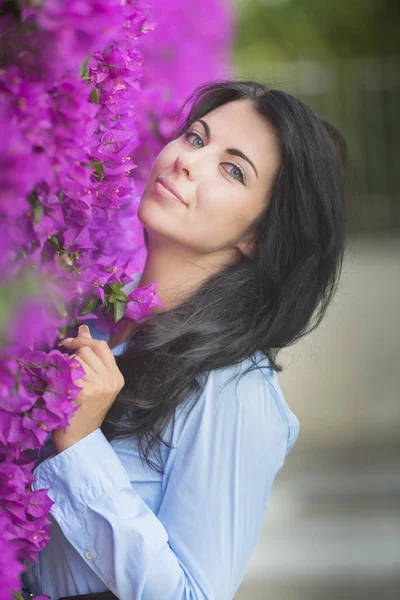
{"x": 178, "y": 272}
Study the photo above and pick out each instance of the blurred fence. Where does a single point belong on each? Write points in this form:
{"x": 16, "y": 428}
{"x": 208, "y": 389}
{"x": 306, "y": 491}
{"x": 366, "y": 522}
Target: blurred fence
{"x": 360, "y": 96}
{"x": 332, "y": 528}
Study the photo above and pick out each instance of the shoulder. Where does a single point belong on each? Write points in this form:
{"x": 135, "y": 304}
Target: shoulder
{"x": 246, "y": 394}
{"x": 258, "y": 389}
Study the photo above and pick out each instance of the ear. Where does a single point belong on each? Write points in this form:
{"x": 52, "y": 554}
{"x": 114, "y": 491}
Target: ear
{"x": 247, "y": 245}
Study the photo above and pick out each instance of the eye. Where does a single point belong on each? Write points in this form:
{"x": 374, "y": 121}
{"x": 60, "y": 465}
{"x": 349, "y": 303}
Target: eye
{"x": 188, "y": 133}
{"x": 237, "y": 169}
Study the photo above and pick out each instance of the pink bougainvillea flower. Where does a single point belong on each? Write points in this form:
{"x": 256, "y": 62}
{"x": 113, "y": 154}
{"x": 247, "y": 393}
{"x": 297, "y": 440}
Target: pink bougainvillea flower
{"x": 141, "y": 300}
{"x": 87, "y": 101}
{"x": 38, "y": 332}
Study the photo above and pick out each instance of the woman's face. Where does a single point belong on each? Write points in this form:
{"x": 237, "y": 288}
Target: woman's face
{"x": 223, "y": 192}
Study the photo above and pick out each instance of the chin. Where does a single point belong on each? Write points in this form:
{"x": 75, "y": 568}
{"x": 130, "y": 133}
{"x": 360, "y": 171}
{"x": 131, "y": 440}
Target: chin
{"x": 143, "y": 210}
{"x": 152, "y": 216}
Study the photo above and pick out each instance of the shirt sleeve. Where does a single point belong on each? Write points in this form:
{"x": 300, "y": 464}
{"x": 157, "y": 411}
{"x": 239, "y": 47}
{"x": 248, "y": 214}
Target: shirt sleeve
{"x": 226, "y": 452}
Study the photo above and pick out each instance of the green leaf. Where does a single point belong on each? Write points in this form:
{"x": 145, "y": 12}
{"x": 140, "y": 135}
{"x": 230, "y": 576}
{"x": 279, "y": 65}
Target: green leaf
{"x": 112, "y": 298}
{"x": 119, "y": 310}
{"x": 116, "y": 292}
{"x": 33, "y": 198}
{"x": 38, "y": 210}
{"x": 120, "y": 295}
{"x": 83, "y": 70}
{"x": 116, "y": 286}
{"x": 89, "y": 306}
{"x": 99, "y": 169}
{"x": 55, "y": 241}
{"x": 94, "y": 96}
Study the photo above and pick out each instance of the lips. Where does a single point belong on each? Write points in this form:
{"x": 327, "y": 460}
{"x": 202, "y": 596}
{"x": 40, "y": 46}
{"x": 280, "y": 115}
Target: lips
{"x": 170, "y": 187}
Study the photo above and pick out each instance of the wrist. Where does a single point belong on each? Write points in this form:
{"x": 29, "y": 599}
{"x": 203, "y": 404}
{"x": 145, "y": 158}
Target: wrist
{"x": 61, "y": 441}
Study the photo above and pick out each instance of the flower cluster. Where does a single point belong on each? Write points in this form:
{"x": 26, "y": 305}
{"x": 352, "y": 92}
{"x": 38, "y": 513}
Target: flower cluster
{"x": 88, "y": 95}
{"x": 74, "y": 201}
{"x": 36, "y": 394}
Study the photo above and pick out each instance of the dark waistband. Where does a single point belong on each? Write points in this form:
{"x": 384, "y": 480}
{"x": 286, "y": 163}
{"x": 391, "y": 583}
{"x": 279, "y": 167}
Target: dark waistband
{"x": 26, "y": 593}
{"x": 95, "y": 596}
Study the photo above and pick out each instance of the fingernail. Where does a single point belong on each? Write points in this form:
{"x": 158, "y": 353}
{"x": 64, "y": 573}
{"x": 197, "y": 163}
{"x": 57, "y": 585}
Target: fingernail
{"x": 84, "y": 328}
{"x": 64, "y": 341}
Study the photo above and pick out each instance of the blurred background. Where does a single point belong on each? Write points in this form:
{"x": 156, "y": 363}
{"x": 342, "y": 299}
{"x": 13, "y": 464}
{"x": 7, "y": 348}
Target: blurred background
{"x": 332, "y": 528}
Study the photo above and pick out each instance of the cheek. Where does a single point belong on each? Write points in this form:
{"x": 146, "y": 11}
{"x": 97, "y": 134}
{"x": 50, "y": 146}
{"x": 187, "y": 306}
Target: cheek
{"x": 218, "y": 217}
{"x": 167, "y": 157}
{"x": 162, "y": 163}
{"x": 164, "y": 160}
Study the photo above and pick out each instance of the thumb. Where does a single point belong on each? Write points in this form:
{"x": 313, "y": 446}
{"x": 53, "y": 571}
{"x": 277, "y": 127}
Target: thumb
{"x": 84, "y": 331}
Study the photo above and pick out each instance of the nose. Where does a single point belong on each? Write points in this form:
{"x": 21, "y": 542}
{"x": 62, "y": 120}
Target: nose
{"x": 183, "y": 164}
{"x": 195, "y": 165}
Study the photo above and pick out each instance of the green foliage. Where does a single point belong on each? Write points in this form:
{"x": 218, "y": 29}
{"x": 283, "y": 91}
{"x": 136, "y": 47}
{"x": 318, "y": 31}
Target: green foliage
{"x": 54, "y": 240}
{"x": 83, "y": 70}
{"x": 119, "y": 310}
{"x": 288, "y": 30}
{"x": 342, "y": 59}
{"x": 37, "y": 206}
{"x": 90, "y": 306}
{"x": 98, "y": 166}
{"x": 26, "y": 284}
{"x": 94, "y": 96}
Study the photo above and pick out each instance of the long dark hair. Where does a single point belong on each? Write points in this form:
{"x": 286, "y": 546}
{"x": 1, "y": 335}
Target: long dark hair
{"x": 262, "y": 303}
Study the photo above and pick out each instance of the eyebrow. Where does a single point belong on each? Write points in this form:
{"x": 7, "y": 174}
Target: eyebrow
{"x": 232, "y": 151}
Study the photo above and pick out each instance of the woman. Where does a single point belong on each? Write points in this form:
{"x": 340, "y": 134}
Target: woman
{"x": 244, "y": 214}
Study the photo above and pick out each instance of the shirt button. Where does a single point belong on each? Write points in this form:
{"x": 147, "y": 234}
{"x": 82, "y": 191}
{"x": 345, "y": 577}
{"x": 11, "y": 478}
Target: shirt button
{"x": 88, "y": 554}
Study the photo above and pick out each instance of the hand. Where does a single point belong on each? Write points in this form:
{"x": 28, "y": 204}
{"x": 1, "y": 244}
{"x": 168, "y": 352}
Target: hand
{"x": 100, "y": 386}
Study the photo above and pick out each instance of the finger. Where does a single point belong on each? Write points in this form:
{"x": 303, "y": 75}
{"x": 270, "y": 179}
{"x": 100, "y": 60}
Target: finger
{"x": 90, "y": 357}
{"x": 84, "y": 331}
{"x": 99, "y": 371}
{"x": 99, "y": 347}
{"x": 90, "y": 374}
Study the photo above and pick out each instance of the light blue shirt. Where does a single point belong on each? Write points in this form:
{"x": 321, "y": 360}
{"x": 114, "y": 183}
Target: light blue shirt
{"x": 186, "y": 535}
